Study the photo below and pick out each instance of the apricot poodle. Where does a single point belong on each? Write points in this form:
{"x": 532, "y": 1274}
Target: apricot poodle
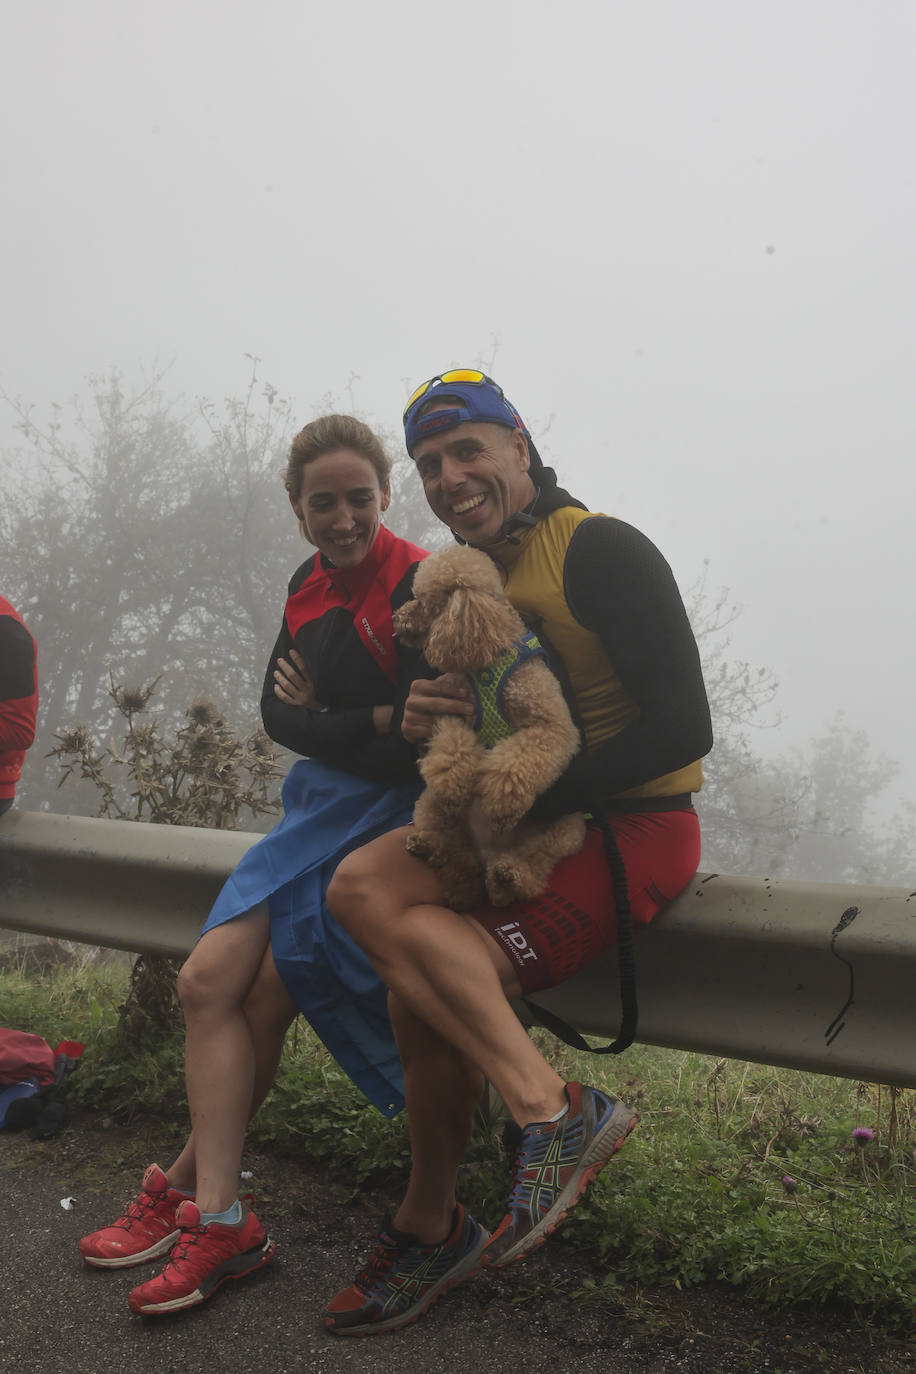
{"x": 522, "y": 739}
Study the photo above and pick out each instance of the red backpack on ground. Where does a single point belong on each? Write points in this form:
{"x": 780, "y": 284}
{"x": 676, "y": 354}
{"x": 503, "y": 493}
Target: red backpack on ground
{"x": 30, "y": 1077}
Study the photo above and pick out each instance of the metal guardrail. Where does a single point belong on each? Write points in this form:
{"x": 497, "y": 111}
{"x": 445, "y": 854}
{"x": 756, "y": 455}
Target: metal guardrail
{"x": 803, "y": 975}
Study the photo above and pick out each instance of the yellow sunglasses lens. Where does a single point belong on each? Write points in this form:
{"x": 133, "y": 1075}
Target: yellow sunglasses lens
{"x": 465, "y": 374}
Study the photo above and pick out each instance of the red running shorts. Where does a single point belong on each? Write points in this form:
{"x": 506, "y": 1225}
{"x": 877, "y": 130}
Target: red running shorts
{"x": 550, "y": 937}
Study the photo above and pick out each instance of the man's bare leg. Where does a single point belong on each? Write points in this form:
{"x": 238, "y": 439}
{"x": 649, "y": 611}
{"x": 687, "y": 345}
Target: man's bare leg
{"x": 433, "y": 1244}
{"x": 442, "y": 1089}
{"x": 445, "y": 969}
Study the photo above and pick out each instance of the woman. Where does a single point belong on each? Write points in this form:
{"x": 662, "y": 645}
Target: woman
{"x": 269, "y": 945}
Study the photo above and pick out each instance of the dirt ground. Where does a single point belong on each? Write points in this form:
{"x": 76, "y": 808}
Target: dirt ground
{"x": 66, "y": 1316}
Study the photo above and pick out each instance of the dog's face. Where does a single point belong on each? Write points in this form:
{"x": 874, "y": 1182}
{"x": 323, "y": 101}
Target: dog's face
{"x": 460, "y": 614}
{"x": 412, "y": 622}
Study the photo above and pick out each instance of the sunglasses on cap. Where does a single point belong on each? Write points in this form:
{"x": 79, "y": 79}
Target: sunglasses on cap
{"x": 469, "y": 375}
{"x": 467, "y": 394}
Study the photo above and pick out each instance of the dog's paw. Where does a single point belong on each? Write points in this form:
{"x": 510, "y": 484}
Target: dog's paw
{"x": 508, "y": 881}
{"x": 422, "y": 847}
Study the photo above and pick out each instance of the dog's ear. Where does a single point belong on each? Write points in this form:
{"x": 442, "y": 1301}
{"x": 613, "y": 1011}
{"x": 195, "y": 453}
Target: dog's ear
{"x": 470, "y": 633}
{"x": 409, "y": 624}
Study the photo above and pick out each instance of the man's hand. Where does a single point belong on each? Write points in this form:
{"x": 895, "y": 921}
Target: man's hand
{"x": 448, "y": 695}
{"x": 293, "y": 685}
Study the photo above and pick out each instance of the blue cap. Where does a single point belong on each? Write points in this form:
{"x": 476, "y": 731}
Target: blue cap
{"x": 462, "y": 401}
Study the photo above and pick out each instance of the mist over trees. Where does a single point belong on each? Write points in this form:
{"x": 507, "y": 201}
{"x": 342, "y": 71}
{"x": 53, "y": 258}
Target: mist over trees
{"x": 152, "y": 538}
{"x": 145, "y": 536}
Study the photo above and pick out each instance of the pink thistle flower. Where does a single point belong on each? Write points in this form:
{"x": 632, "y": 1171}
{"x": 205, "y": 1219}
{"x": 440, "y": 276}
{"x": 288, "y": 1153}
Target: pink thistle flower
{"x": 863, "y": 1135}
{"x": 789, "y": 1183}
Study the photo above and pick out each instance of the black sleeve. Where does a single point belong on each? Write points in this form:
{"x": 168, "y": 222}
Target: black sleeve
{"x": 618, "y": 585}
{"x": 17, "y": 660}
{"x": 344, "y": 738}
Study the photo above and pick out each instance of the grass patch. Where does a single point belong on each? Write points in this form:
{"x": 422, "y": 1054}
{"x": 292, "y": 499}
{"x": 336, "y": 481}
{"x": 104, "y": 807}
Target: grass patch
{"x": 737, "y": 1174}
{"x": 752, "y": 1176}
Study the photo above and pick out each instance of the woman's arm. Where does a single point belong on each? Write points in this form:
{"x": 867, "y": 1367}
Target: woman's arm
{"x": 357, "y": 739}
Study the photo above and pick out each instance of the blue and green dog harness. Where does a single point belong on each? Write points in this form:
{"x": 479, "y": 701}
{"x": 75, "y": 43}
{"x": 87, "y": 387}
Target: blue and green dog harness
{"x": 489, "y": 685}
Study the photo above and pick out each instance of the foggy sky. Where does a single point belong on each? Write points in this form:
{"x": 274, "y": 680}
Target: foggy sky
{"x": 681, "y": 233}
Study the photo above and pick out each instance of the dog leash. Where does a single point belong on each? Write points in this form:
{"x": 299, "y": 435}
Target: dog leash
{"x": 626, "y": 959}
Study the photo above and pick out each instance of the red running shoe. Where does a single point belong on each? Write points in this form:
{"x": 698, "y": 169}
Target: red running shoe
{"x": 202, "y": 1258}
{"x": 148, "y": 1228}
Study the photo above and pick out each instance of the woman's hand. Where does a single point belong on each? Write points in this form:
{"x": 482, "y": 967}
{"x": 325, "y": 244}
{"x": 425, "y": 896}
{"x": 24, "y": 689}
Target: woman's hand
{"x": 293, "y": 685}
{"x": 448, "y": 695}
{"x": 381, "y": 719}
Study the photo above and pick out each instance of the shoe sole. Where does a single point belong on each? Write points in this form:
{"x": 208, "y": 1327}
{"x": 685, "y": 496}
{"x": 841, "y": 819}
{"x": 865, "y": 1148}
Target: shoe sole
{"x": 238, "y": 1267}
{"x": 599, "y": 1153}
{"x": 466, "y": 1270}
{"x": 125, "y": 1261}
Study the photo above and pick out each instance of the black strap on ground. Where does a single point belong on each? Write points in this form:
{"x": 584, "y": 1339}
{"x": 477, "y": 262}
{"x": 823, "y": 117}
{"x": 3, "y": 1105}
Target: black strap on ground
{"x": 626, "y": 961}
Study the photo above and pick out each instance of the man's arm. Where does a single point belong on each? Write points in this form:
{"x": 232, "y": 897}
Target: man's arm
{"x": 619, "y": 586}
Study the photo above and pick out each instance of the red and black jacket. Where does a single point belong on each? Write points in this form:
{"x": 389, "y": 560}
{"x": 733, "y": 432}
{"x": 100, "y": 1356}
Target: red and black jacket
{"x": 340, "y": 621}
{"x": 18, "y": 696}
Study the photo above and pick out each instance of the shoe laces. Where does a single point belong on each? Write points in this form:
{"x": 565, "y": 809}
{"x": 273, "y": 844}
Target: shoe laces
{"x": 379, "y": 1263}
{"x": 190, "y": 1236}
{"x": 520, "y": 1161}
{"x": 146, "y": 1202}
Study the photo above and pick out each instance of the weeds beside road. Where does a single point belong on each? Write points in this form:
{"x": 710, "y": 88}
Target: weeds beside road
{"x": 62, "y": 1317}
{"x": 741, "y": 1177}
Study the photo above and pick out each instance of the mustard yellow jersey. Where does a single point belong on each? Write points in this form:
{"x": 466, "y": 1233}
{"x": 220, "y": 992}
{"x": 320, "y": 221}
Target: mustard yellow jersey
{"x": 604, "y": 603}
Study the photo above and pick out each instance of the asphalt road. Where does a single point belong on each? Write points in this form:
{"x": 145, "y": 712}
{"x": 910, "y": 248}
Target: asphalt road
{"x": 59, "y": 1315}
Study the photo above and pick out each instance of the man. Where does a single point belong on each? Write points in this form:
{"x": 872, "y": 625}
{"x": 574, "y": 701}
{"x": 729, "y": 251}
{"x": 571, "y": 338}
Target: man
{"x": 18, "y": 699}
{"x": 604, "y": 604}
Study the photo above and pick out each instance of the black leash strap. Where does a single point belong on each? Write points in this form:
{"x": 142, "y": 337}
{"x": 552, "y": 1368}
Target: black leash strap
{"x": 626, "y": 961}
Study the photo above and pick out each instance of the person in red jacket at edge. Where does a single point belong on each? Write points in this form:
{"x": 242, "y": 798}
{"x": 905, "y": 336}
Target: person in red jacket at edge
{"x": 18, "y": 699}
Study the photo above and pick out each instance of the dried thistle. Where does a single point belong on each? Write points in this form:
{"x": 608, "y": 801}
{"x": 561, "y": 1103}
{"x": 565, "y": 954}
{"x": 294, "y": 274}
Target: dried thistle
{"x": 203, "y": 775}
{"x": 261, "y": 745}
{"x": 203, "y": 711}
{"x": 76, "y": 740}
{"x": 202, "y": 749}
{"x": 130, "y": 700}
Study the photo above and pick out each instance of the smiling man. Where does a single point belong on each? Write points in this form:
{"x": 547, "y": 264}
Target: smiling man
{"x": 604, "y": 604}
{"x": 477, "y": 477}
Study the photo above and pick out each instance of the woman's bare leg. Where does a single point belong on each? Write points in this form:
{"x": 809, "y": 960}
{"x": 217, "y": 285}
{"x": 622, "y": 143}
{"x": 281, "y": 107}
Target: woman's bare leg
{"x": 222, "y": 1055}
{"x": 269, "y": 1011}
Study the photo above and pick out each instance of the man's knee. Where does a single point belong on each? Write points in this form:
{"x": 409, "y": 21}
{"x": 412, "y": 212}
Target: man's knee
{"x": 349, "y": 892}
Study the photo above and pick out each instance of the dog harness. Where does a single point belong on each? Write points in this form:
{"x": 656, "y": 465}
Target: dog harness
{"x": 489, "y": 685}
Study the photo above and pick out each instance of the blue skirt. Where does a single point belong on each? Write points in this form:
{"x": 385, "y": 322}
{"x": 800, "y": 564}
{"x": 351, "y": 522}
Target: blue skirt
{"x": 326, "y": 815}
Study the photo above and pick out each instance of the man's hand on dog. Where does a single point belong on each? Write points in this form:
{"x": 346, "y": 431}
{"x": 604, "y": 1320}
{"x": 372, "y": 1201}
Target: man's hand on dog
{"x": 448, "y": 695}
